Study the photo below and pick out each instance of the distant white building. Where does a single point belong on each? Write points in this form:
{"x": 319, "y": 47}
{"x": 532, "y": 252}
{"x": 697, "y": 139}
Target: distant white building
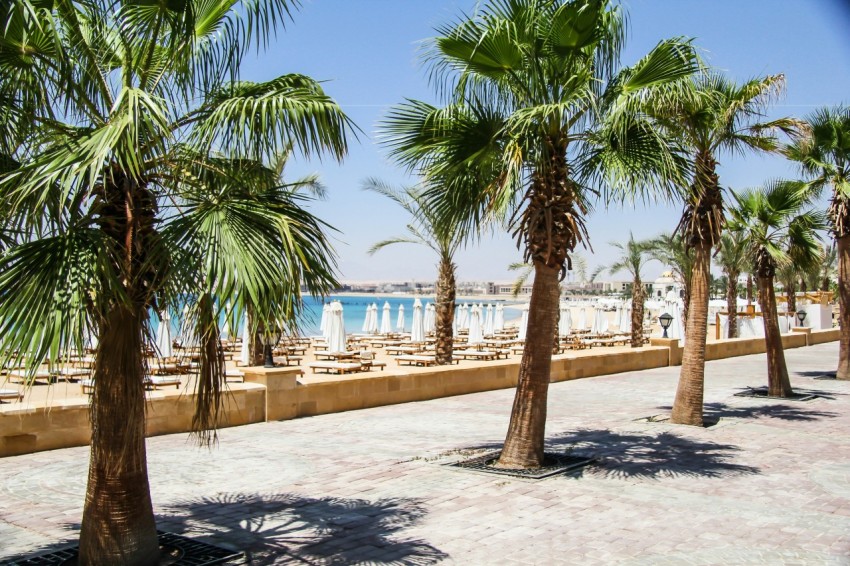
{"x": 667, "y": 282}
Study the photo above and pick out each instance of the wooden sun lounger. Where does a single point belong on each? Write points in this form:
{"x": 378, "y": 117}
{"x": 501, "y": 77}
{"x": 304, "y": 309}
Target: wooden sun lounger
{"x": 336, "y": 367}
{"x": 157, "y": 381}
{"x": 20, "y": 376}
{"x": 10, "y": 395}
{"x": 485, "y": 355}
{"x": 395, "y": 350}
{"x": 234, "y": 375}
{"x": 414, "y": 360}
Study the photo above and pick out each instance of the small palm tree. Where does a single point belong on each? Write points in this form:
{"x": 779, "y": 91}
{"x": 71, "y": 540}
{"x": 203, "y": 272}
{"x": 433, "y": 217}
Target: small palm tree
{"x": 540, "y": 114}
{"x": 444, "y": 239}
{"x": 730, "y": 257}
{"x": 825, "y": 158}
{"x": 716, "y": 115}
{"x": 134, "y": 180}
{"x": 670, "y": 249}
{"x": 633, "y": 257}
{"x": 778, "y": 232}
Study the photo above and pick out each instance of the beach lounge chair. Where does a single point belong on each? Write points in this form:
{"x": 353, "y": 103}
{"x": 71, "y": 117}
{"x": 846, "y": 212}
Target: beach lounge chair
{"x": 336, "y": 367}
{"x": 87, "y": 385}
{"x": 485, "y": 355}
{"x": 10, "y": 395}
{"x": 368, "y": 361}
{"x": 416, "y": 360}
{"x": 157, "y": 381}
{"x": 234, "y": 375}
{"x": 20, "y": 376}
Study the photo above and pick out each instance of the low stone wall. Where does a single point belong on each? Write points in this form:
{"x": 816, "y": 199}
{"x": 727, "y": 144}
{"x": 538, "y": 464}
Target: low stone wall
{"x": 276, "y": 394}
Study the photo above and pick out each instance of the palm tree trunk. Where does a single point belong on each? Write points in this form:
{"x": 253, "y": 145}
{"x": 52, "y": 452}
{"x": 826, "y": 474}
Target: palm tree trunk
{"x": 791, "y": 294}
{"x": 732, "y": 303}
{"x": 749, "y": 288}
{"x": 524, "y": 443}
{"x": 445, "y": 305}
{"x": 843, "y": 248}
{"x": 779, "y": 385}
{"x": 687, "y": 408}
{"x": 637, "y": 313}
{"x": 118, "y": 525}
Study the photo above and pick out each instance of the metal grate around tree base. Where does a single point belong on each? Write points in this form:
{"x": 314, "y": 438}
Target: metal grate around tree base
{"x": 553, "y": 464}
{"x": 177, "y": 551}
{"x": 761, "y": 393}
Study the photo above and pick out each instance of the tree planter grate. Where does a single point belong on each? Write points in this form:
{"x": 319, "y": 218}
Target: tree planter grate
{"x": 176, "y": 551}
{"x": 761, "y": 393}
{"x": 553, "y": 464}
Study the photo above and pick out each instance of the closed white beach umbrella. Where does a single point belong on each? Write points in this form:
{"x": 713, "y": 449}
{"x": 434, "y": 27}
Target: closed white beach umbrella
{"x": 244, "y": 353}
{"x": 463, "y": 319}
{"x": 476, "y": 333}
{"x": 336, "y": 326}
{"x": 417, "y": 328}
{"x": 618, "y": 315}
{"x": 596, "y": 320}
{"x": 373, "y": 319}
{"x": 163, "y": 336}
{"x": 323, "y": 326}
{"x": 489, "y": 327}
{"x": 565, "y": 320}
{"x": 400, "y": 322}
{"x": 367, "y": 320}
{"x": 626, "y": 318}
{"x": 499, "y": 318}
{"x": 430, "y": 321}
{"x": 523, "y": 323}
{"x": 386, "y": 324}
{"x": 582, "y": 319}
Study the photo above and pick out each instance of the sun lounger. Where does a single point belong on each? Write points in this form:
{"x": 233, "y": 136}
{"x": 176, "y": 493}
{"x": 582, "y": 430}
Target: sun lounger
{"x": 485, "y": 355}
{"x": 157, "y": 381}
{"x": 234, "y": 375}
{"x": 336, "y": 367}
{"x": 416, "y": 360}
{"x": 87, "y": 385}
{"x": 72, "y": 374}
{"x": 20, "y": 376}
{"x": 10, "y": 395}
{"x": 394, "y": 350}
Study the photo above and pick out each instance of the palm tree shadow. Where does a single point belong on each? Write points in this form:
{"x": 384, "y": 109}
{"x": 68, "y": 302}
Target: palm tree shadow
{"x": 276, "y": 528}
{"x": 817, "y": 374}
{"x": 799, "y": 413}
{"x": 643, "y": 455}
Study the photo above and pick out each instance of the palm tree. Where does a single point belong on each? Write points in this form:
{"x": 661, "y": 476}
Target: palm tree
{"x": 670, "y": 249}
{"x": 633, "y": 256}
{"x": 538, "y": 114}
{"x": 717, "y": 116}
{"x": 138, "y": 183}
{"x": 825, "y": 158}
{"x": 444, "y": 239}
{"x": 778, "y": 232}
{"x": 730, "y": 258}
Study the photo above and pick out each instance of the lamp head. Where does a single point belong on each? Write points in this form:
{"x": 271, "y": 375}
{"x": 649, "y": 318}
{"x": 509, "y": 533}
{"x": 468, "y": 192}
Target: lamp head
{"x": 801, "y": 316}
{"x": 665, "y": 320}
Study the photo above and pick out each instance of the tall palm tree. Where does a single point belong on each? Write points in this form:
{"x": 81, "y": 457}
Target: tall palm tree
{"x": 719, "y": 116}
{"x": 825, "y": 158}
{"x": 539, "y": 114}
{"x": 444, "y": 239}
{"x": 670, "y": 249}
{"x": 633, "y": 256}
{"x": 730, "y": 258}
{"x": 138, "y": 183}
{"x": 778, "y": 232}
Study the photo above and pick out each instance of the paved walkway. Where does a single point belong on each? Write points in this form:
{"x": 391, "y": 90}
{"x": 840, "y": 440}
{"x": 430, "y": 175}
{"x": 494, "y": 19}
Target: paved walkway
{"x": 769, "y": 484}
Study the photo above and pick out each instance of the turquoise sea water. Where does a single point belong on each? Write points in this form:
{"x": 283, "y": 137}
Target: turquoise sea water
{"x": 354, "y": 312}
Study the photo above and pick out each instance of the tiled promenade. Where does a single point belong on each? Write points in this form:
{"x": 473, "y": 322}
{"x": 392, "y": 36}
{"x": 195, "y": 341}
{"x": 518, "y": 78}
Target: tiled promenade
{"x": 769, "y": 484}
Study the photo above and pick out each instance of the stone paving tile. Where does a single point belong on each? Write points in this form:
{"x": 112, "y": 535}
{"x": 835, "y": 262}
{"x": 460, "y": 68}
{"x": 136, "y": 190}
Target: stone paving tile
{"x": 770, "y": 484}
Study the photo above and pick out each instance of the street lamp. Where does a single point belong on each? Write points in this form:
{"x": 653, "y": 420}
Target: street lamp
{"x": 801, "y": 316}
{"x": 665, "y": 320}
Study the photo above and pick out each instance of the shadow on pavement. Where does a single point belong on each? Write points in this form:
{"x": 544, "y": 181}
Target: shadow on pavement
{"x": 647, "y": 455}
{"x": 276, "y": 528}
{"x": 801, "y": 413}
{"x": 815, "y": 373}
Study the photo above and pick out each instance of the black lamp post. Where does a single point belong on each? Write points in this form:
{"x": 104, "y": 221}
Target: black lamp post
{"x": 801, "y": 316}
{"x": 665, "y": 320}
{"x": 270, "y": 341}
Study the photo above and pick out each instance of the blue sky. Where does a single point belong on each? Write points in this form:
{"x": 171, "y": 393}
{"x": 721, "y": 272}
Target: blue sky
{"x": 367, "y": 52}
